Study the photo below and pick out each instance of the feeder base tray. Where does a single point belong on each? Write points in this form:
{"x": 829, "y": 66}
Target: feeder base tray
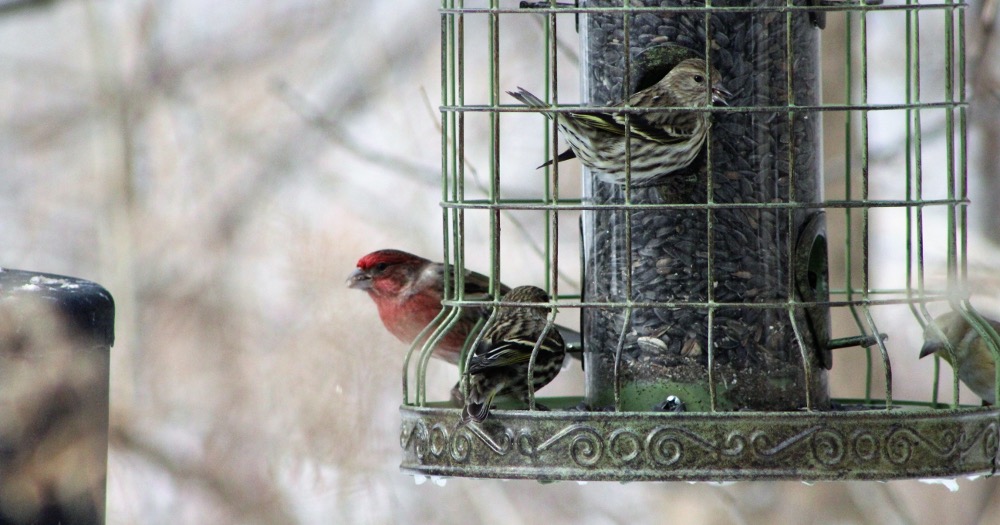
{"x": 853, "y": 443}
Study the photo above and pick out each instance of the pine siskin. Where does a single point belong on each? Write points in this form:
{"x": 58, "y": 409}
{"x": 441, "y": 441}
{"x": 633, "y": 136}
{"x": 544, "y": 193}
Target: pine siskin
{"x": 662, "y": 142}
{"x": 499, "y": 363}
{"x": 407, "y": 290}
{"x": 648, "y": 68}
{"x": 975, "y": 361}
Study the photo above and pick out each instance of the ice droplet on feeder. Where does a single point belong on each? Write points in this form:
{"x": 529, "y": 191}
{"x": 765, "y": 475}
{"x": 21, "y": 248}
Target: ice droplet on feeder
{"x": 949, "y": 483}
{"x": 439, "y": 481}
{"x": 720, "y": 483}
{"x": 581, "y": 482}
{"x": 419, "y": 479}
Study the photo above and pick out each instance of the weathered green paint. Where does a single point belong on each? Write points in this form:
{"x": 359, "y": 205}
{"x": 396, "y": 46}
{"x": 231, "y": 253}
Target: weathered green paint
{"x": 860, "y": 444}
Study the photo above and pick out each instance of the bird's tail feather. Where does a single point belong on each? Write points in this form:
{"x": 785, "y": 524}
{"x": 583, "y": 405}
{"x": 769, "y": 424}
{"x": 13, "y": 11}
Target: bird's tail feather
{"x": 477, "y": 409}
{"x": 475, "y": 412}
{"x": 527, "y": 98}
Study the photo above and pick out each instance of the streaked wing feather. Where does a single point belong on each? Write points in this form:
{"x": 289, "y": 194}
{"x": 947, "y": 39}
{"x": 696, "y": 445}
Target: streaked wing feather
{"x": 512, "y": 351}
{"x": 638, "y": 126}
{"x": 504, "y": 354}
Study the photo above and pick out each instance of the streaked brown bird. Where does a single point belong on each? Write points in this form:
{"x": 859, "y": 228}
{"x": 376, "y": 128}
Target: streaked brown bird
{"x": 499, "y": 363}
{"x": 661, "y": 142}
{"x": 975, "y": 361}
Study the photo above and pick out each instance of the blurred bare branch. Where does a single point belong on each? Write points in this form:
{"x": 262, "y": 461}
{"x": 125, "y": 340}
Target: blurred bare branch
{"x": 401, "y": 165}
{"x": 570, "y": 51}
{"x": 986, "y": 22}
{"x": 985, "y": 105}
{"x": 9, "y": 6}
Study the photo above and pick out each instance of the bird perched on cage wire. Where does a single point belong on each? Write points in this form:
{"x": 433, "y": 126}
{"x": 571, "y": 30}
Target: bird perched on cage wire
{"x": 975, "y": 361}
{"x": 407, "y": 290}
{"x": 499, "y": 363}
{"x": 662, "y": 142}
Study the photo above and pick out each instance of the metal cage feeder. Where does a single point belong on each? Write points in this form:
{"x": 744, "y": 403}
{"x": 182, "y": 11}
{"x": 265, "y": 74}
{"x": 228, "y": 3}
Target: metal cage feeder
{"x": 711, "y": 290}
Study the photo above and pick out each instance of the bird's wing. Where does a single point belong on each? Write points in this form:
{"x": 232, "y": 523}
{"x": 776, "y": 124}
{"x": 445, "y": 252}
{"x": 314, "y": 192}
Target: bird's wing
{"x": 614, "y": 124}
{"x": 512, "y": 350}
{"x": 502, "y": 354}
{"x": 477, "y": 285}
{"x": 639, "y": 126}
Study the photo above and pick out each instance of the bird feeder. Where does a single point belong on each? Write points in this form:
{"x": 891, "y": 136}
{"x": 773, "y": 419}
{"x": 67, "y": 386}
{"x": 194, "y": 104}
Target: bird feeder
{"x": 706, "y": 298}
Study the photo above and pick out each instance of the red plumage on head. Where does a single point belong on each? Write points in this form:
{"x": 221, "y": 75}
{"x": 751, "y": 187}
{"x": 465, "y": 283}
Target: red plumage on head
{"x": 392, "y": 273}
{"x": 389, "y": 257}
{"x": 407, "y": 291}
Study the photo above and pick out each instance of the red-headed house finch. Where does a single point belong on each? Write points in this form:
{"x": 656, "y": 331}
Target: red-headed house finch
{"x": 499, "y": 363}
{"x": 975, "y": 361}
{"x": 407, "y": 290}
{"x": 662, "y": 142}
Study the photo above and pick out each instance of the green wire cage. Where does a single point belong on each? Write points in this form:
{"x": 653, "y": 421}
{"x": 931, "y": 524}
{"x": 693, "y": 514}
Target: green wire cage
{"x": 711, "y": 293}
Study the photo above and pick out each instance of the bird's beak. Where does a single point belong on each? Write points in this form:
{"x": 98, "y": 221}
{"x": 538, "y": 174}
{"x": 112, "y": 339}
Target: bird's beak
{"x": 929, "y": 348}
{"x": 720, "y": 95}
{"x": 359, "y": 280}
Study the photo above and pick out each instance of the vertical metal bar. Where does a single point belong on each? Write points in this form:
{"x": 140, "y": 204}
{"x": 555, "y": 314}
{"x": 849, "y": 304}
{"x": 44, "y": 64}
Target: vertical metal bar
{"x": 552, "y": 197}
{"x": 550, "y": 88}
{"x": 458, "y": 188}
{"x": 885, "y": 355}
{"x": 453, "y": 221}
{"x": 552, "y": 216}
{"x": 914, "y": 215}
{"x": 803, "y": 354}
{"x": 962, "y": 176}
{"x": 626, "y": 83}
{"x": 710, "y": 230}
{"x": 914, "y": 43}
{"x": 913, "y": 47}
{"x": 957, "y": 264}
{"x": 494, "y": 194}
{"x": 993, "y": 341}
{"x": 866, "y": 211}
{"x": 865, "y": 269}
{"x": 447, "y": 43}
{"x": 619, "y": 349}
{"x": 790, "y": 262}
{"x": 949, "y": 124}
{"x": 848, "y": 195}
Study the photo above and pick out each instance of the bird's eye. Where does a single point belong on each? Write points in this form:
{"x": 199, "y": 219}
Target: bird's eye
{"x": 381, "y": 267}
{"x": 699, "y": 79}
